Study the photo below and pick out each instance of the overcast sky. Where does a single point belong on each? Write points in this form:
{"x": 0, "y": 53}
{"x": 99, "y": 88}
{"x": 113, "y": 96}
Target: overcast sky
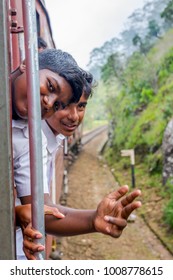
{"x": 81, "y": 25}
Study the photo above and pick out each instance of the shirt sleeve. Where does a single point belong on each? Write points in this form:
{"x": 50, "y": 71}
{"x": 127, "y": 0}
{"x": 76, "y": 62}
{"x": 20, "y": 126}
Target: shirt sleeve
{"x": 21, "y": 163}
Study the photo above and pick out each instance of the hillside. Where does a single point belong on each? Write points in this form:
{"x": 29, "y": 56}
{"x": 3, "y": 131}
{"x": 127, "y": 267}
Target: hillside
{"x": 139, "y": 116}
{"x": 136, "y": 99}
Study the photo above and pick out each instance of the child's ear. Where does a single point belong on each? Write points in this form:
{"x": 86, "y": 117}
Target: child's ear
{"x": 22, "y": 67}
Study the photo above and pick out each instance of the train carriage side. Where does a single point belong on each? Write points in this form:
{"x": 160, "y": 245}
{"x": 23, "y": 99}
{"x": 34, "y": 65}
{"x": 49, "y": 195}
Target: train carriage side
{"x": 16, "y": 53}
{"x": 12, "y": 48}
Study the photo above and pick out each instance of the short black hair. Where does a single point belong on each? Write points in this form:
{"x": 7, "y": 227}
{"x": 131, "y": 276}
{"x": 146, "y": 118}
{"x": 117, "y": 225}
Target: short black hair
{"x": 89, "y": 83}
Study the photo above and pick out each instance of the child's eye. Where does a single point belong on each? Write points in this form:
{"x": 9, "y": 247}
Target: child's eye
{"x": 56, "y": 105}
{"x": 82, "y": 106}
{"x": 50, "y": 86}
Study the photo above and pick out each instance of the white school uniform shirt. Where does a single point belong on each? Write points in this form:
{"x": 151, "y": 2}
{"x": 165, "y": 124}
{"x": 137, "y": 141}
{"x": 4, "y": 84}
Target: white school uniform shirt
{"x": 50, "y": 145}
{"x": 21, "y": 164}
{"x": 21, "y": 158}
{"x": 53, "y": 144}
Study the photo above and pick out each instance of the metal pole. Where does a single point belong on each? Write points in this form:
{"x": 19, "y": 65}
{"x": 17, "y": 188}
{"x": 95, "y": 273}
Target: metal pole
{"x": 132, "y": 157}
{"x": 7, "y": 238}
{"x": 133, "y": 175}
{"x": 34, "y": 116}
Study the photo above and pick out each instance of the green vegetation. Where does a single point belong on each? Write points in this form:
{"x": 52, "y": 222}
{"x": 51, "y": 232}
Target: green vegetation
{"x": 135, "y": 95}
{"x": 141, "y": 110}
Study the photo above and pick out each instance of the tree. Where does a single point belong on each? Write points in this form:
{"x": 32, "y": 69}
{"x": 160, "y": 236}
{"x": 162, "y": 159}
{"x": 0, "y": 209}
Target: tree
{"x": 112, "y": 69}
{"x": 154, "y": 29}
{"x": 167, "y": 14}
{"x": 137, "y": 40}
{"x": 144, "y": 46}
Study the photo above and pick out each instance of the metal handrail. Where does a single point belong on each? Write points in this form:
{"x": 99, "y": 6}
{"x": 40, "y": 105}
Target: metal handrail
{"x": 34, "y": 117}
{"x": 7, "y": 231}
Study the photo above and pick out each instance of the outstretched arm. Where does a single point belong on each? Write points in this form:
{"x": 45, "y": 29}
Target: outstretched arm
{"x": 110, "y": 217}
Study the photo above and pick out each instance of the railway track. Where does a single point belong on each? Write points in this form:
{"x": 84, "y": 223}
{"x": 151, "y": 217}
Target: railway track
{"x": 90, "y": 135}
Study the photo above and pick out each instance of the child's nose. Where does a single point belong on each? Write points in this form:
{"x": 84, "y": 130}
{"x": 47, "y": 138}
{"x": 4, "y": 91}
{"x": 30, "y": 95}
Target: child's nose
{"x": 50, "y": 100}
{"x": 73, "y": 114}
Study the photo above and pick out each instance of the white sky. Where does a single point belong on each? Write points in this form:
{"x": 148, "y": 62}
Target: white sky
{"x": 81, "y": 25}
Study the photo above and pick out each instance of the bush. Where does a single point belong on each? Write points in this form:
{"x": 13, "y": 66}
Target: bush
{"x": 146, "y": 95}
{"x": 154, "y": 163}
{"x": 168, "y": 213}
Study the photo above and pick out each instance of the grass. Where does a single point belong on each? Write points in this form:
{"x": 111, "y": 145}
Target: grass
{"x": 154, "y": 197}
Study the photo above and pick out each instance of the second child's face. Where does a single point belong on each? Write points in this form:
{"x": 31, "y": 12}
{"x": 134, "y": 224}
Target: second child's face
{"x": 66, "y": 120}
{"x": 53, "y": 88}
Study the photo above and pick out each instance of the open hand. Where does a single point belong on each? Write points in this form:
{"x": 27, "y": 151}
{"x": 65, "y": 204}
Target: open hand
{"x": 114, "y": 210}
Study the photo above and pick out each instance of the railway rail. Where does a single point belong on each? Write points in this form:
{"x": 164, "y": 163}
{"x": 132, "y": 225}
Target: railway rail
{"x": 91, "y": 134}
{"x": 72, "y": 156}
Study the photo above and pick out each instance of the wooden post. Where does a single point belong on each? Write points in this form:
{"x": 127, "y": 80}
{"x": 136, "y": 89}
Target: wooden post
{"x": 131, "y": 154}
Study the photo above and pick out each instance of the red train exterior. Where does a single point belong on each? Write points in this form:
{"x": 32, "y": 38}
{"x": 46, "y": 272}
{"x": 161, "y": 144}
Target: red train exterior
{"x": 17, "y": 54}
{"x": 12, "y": 46}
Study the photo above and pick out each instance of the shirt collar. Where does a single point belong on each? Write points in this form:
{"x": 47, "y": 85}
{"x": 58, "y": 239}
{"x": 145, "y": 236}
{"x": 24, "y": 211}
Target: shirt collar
{"x": 21, "y": 124}
{"x": 53, "y": 142}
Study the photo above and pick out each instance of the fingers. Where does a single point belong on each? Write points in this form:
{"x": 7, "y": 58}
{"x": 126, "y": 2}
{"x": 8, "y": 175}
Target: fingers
{"x": 48, "y": 210}
{"x": 129, "y": 205}
{"x": 118, "y": 193}
{"x": 127, "y": 210}
{"x": 29, "y": 246}
{"x": 114, "y": 233}
{"x": 130, "y": 197}
{"x": 33, "y": 247}
{"x": 31, "y": 233}
{"x": 29, "y": 255}
{"x": 114, "y": 226}
{"x": 119, "y": 222}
